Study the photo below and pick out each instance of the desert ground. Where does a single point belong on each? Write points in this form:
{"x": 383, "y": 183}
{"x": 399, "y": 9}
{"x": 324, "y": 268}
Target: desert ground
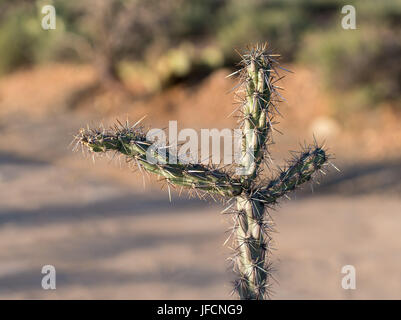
{"x": 109, "y": 236}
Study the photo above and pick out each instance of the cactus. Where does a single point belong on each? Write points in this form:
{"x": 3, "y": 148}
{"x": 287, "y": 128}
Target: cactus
{"x": 249, "y": 193}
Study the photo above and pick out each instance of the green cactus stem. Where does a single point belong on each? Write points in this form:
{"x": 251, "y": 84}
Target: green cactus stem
{"x": 299, "y": 172}
{"x": 250, "y": 262}
{"x": 132, "y": 143}
{"x": 246, "y": 188}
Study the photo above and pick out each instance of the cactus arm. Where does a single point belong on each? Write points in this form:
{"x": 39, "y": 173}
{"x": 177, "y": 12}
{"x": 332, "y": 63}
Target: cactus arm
{"x": 300, "y": 171}
{"x": 133, "y": 144}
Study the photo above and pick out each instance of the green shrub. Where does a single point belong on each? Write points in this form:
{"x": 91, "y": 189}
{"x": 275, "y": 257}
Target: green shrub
{"x": 365, "y": 60}
{"x": 23, "y": 42}
{"x": 363, "y": 63}
{"x": 282, "y": 22}
{"x": 17, "y": 42}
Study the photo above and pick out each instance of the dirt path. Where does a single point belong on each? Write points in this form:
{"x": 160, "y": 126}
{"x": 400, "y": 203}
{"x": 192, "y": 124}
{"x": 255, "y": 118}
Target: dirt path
{"x": 107, "y": 241}
{"x": 108, "y": 237}
{"x": 130, "y": 245}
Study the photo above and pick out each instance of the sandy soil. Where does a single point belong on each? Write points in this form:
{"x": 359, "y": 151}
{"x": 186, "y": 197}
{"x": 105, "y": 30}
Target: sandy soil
{"x": 109, "y": 237}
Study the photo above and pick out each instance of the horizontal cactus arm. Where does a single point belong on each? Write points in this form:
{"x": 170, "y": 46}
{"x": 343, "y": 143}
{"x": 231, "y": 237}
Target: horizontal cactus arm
{"x": 133, "y": 144}
{"x": 300, "y": 171}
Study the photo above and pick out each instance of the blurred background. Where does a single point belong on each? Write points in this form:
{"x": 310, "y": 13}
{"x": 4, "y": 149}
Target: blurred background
{"x": 107, "y": 234}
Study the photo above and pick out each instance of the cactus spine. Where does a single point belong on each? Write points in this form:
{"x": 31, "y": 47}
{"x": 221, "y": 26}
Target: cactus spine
{"x": 252, "y": 193}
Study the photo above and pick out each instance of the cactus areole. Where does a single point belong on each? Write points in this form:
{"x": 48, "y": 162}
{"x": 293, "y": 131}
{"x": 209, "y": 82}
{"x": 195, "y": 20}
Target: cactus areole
{"x": 249, "y": 194}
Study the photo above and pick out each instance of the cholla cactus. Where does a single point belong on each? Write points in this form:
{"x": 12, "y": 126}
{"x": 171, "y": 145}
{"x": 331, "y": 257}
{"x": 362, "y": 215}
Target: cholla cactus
{"x": 249, "y": 193}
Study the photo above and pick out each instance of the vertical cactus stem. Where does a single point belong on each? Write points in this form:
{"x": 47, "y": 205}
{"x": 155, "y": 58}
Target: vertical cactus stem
{"x": 251, "y": 247}
{"x": 250, "y": 237}
{"x": 256, "y": 111}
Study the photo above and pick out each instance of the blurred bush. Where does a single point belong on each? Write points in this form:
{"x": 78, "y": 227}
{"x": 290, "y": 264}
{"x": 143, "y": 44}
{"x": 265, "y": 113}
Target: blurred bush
{"x": 16, "y": 42}
{"x": 366, "y": 61}
{"x": 136, "y": 29}
{"x": 261, "y": 20}
{"x": 161, "y": 42}
{"x": 182, "y": 63}
{"x": 23, "y": 42}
